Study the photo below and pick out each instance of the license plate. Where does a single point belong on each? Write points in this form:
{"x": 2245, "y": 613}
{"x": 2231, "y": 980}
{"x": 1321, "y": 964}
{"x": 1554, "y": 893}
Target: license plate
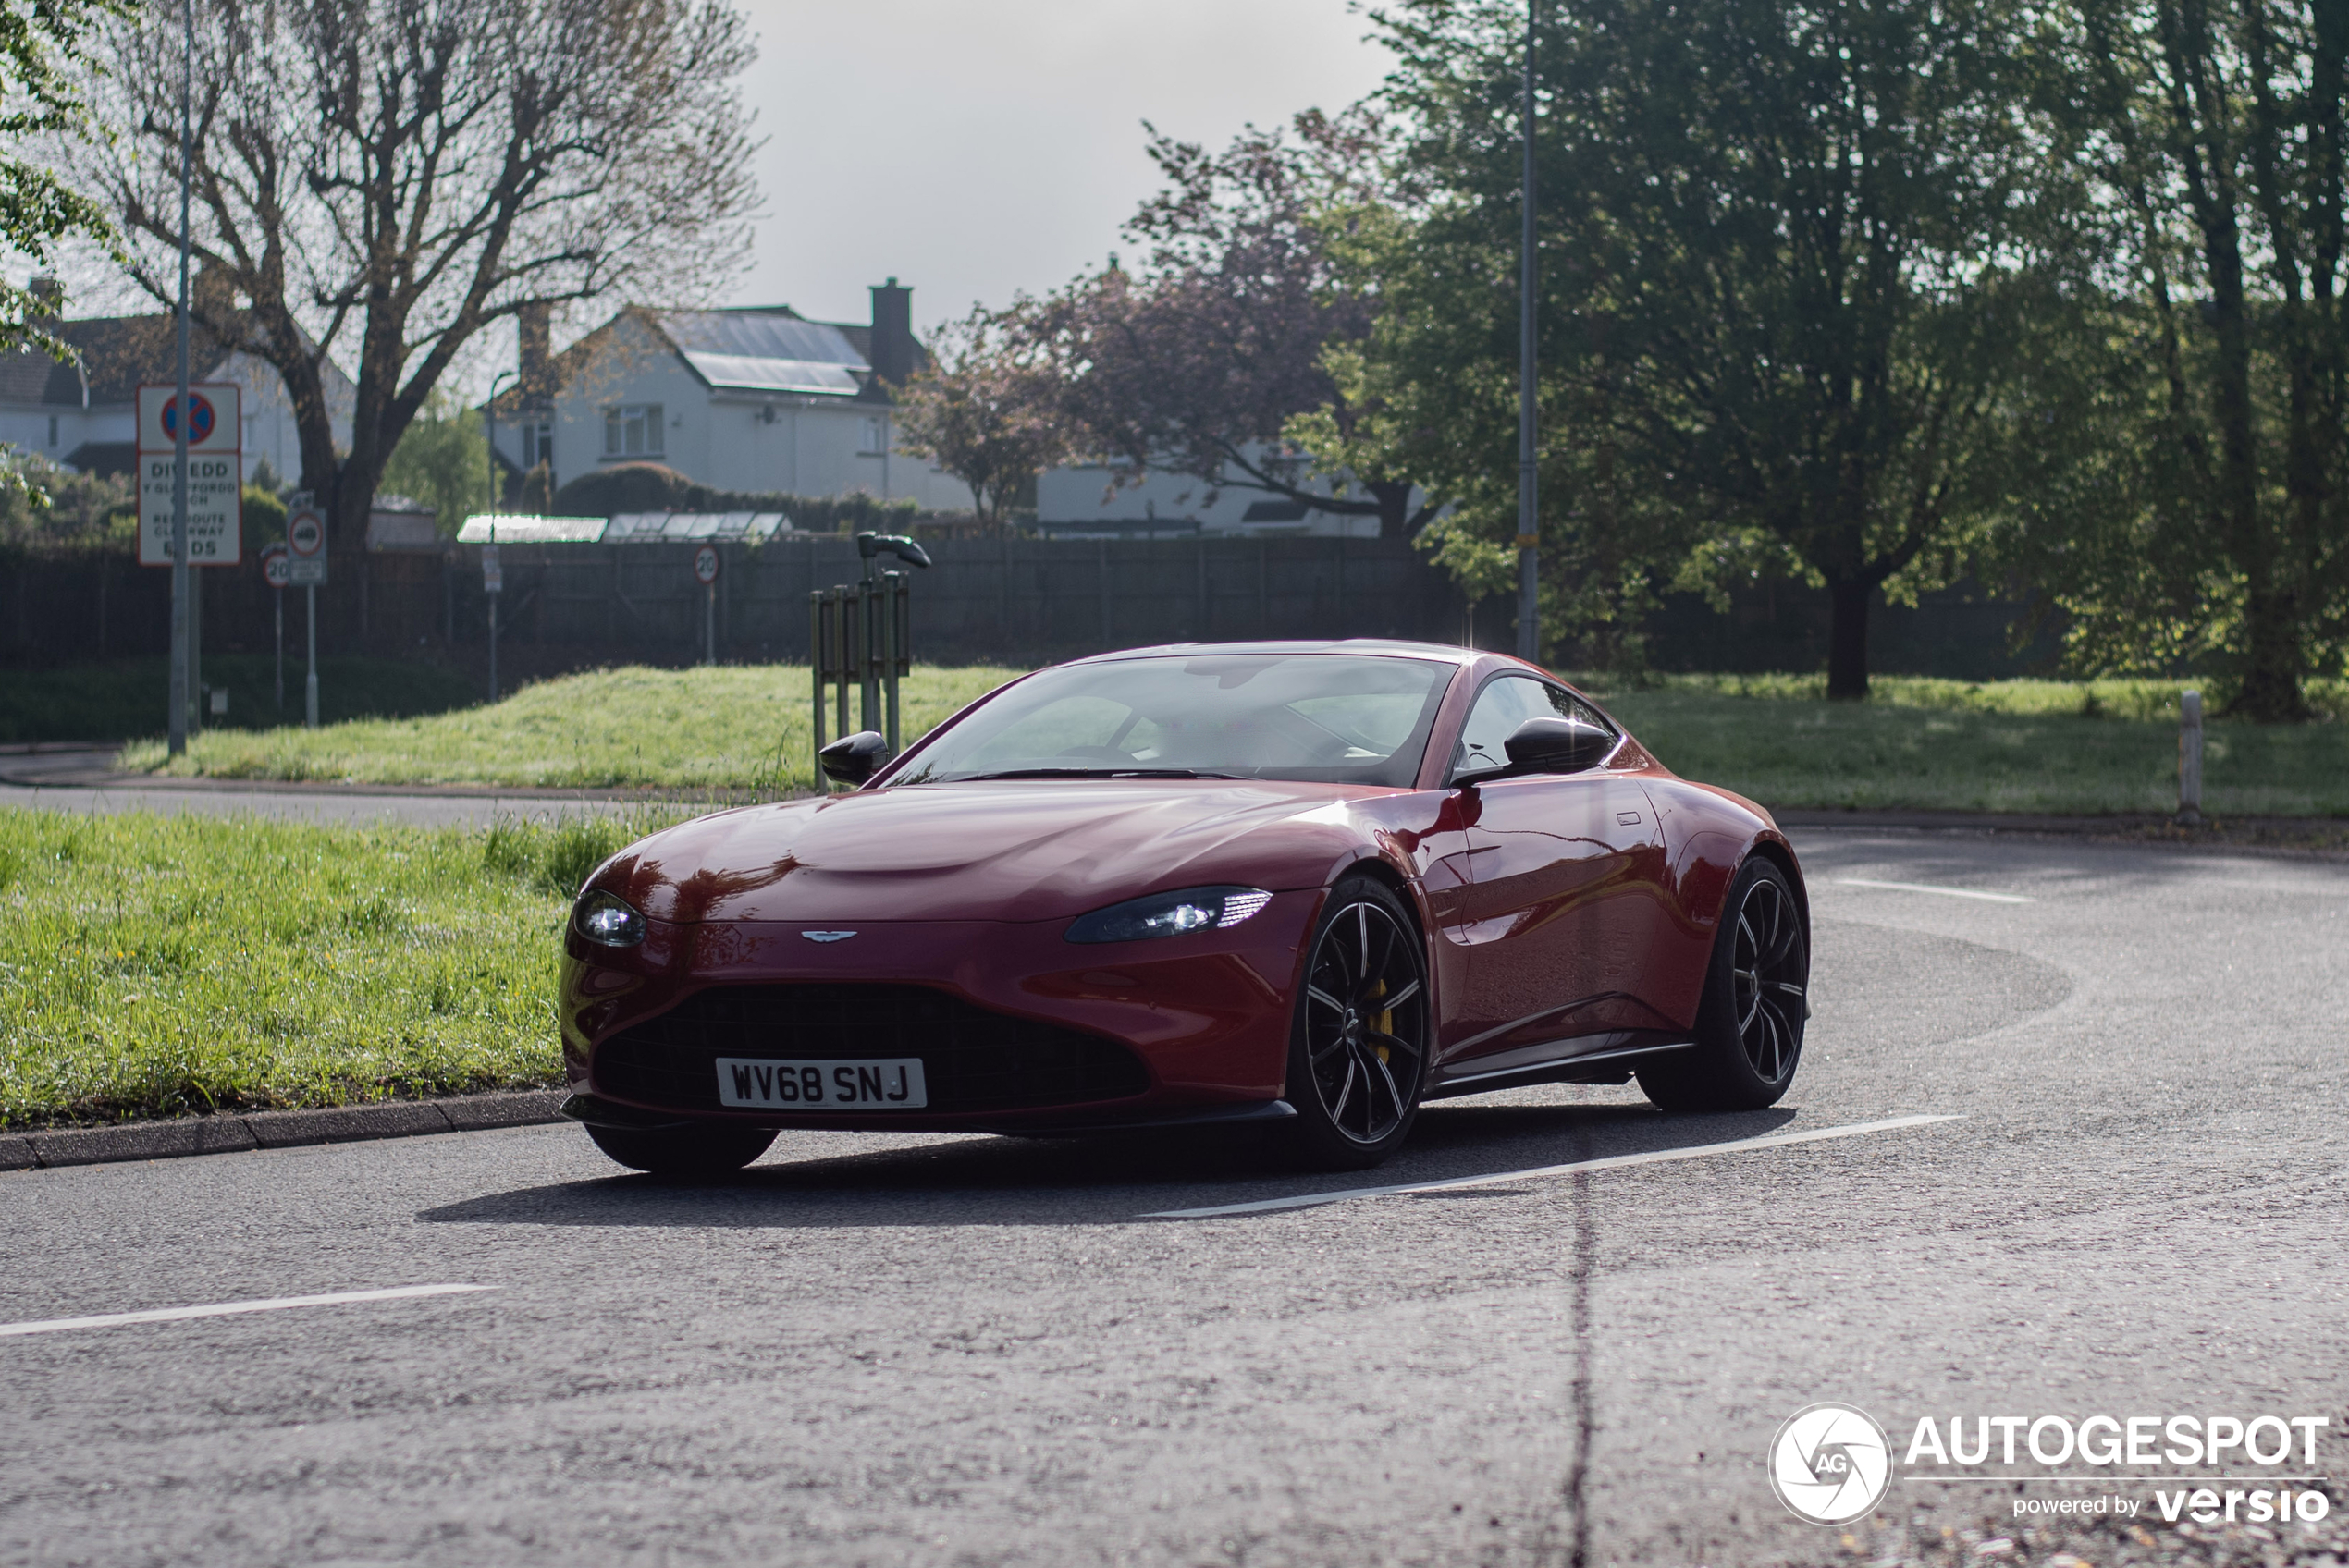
{"x": 890, "y": 1084}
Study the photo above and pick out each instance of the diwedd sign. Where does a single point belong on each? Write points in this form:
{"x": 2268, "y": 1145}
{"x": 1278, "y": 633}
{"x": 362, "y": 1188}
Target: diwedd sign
{"x": 215, "y": 473}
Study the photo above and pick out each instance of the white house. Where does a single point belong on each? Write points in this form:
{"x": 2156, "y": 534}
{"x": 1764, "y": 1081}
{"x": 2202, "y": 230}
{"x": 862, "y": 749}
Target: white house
{"x": 754, "y": 398}
{"x": 84, "y": 416}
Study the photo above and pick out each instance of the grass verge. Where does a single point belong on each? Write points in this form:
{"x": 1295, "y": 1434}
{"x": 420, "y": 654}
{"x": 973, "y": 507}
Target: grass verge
{"x": 2032, "y": 746}
{"x": 106, "y": 701}
{"x": 161, "y": 967}
{"x": 2027, "y": 746}
{"x": 732, "y": 726}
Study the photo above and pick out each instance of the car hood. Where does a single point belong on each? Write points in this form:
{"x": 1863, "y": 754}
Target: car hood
{"x": 1005, "y": 851}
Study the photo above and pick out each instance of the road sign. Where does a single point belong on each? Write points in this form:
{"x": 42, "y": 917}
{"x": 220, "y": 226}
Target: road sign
{"x": 277, "y": 566}
{"x": 306, "y": 546}
{"x": 705, "y": 565}
{"x": 493, "y": 576}
{"x": 216, "y": 424}
{"x": 215, "y": 473}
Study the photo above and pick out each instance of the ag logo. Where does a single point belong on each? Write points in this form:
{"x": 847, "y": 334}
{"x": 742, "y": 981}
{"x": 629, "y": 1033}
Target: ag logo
{"x": 1830, "y": 1463}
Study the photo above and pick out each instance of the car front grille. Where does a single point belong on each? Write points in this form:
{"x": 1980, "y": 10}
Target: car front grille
{"x": 972, "y": 1058}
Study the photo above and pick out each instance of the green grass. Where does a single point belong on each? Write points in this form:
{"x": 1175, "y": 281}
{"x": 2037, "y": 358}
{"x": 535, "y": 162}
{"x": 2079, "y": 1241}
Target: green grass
{"x": 728, "y": 727}
{"x": 2032, "y": 746}
{"x": 124, "y": 697}
{"x": 2107, "y": 746}
{"x": 158, "y": 966}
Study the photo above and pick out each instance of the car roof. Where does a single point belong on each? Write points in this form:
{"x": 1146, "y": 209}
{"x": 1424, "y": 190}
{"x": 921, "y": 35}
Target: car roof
{"x": 1390, "y": 647}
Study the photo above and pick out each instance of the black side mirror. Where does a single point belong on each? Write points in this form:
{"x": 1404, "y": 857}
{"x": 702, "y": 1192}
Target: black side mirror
{"x": 852, "y": 759}
{"x": 898, "y": 545}
{"x": 1557, "y": 745}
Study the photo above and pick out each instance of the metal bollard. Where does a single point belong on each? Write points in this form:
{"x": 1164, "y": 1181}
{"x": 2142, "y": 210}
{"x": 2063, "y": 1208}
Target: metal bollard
{"x": 2190, "y": 759}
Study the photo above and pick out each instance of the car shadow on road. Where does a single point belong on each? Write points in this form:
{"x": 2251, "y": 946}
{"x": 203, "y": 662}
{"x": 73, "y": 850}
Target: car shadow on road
{"x": 1110, "y": 1180}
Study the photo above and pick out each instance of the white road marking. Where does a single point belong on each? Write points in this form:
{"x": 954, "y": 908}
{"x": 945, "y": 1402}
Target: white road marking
{"x": 1608, "y": 1162}
{"x": 1928, "y": 888}
{"x": 224, "y": 1309}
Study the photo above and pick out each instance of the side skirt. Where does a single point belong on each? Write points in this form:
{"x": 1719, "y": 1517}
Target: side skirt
{"x": 1590, "y": 1059}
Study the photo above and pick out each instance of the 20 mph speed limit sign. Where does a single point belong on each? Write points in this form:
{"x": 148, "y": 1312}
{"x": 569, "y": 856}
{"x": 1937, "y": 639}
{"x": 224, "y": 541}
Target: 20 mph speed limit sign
{"x": 705, "y": 565}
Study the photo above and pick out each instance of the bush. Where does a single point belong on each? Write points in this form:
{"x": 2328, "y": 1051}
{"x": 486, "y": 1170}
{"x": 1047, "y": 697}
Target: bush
{"x": 655, "y": 487}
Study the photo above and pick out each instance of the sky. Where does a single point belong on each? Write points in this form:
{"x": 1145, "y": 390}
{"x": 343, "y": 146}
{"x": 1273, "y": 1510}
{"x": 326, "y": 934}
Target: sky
{"x": 975, "y": 149}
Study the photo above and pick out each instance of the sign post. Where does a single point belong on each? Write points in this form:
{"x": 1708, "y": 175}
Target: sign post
{"x": 705, "y": 573}
{"x": 493, "y": 582}
{"x": 306, "y": 564}
{"x": 277, "y": 570}
{"x": 190, "y": 477}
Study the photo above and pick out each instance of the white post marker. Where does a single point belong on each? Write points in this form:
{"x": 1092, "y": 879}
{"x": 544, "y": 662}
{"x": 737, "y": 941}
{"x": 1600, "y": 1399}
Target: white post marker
{"x": 2190, "y": 759}
{"x": 493, "y": 582}
{"x": 277, "y": 570}
{"x": 705, "y": 573}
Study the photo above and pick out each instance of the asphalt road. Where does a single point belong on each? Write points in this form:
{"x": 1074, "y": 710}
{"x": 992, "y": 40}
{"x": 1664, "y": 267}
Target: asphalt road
{"x": 976, "y": 1351}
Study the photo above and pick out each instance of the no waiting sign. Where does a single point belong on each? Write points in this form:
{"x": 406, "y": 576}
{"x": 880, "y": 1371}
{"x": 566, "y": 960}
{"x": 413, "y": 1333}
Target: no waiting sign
{"x": 215, "y": 473}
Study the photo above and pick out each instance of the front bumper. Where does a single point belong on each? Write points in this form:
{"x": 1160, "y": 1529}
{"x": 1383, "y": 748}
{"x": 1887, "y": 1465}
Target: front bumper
{"x": 1177, "y": 1026}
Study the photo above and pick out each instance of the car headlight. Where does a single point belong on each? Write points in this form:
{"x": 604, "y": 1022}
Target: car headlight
{"x": 1170, "y": 914}
{"x": 607, "y": 920}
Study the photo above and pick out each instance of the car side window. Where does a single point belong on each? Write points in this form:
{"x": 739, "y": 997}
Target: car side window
{"x": 1501, "y": 706}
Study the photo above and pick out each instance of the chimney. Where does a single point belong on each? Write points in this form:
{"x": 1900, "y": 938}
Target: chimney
{"x": 49, "y": 297}
{"x": 532, "y": 325}
{"x": 892, "y": 349}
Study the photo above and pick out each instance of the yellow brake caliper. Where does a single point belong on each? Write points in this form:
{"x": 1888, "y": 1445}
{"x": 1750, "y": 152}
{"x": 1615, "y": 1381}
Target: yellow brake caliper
{"x": 1385, "y": 1025}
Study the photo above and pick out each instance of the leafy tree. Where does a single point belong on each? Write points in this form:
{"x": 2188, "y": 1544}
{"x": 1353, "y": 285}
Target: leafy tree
{"x": 1194, "y": 362}
{"x": 1778, "y": 280}
{"x": 399, "y": 176}
{"x": 443, "y": 460}
{"x": 2213, "y": 521}
{"x": 989, "y": 411}
{"x": 44, "y": 50}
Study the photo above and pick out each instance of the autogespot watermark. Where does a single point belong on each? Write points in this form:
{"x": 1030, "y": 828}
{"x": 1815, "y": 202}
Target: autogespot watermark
{"x": 1831, "y": 1464}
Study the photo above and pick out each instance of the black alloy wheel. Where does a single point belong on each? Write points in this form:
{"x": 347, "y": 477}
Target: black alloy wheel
{"x": 1748, "y": 1028}
{"x": 710, "y": 1149}
{"x": 1360, "y": 1050}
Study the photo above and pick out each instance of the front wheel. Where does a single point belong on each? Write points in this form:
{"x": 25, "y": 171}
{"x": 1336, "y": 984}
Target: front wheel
{"x": 1358, "y": 1047}
{"x": 1749, "y": 1024}
{"x": 712, "y": 1150}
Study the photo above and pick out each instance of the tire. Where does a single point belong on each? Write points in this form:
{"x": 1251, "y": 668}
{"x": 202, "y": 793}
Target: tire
{"x": 1355, "y": 1075}
{"x": 711, "y": 1149}
{"x": 1749, "y": 1021}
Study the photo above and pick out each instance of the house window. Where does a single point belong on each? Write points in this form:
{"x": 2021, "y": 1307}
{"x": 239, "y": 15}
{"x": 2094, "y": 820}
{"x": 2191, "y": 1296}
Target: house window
{"x": 632, "y": 430}
{"x": 876, "y": 443}
{"x": 537, "y": 445}
{"x": 53, "y": 429}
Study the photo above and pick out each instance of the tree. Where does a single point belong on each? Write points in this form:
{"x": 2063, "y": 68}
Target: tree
{"x": 1776, "y": 240}
{"x": 443, "y": 460}
{"x": 988, "y": 410}
{"x": 385, "y": 179}
{"x": 1194, "y": 362}
{"x": 2209, "y": 134}
{"x": 44, "y": 59}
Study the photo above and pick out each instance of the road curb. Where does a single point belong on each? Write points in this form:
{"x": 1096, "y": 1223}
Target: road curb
{"x": 276, "y": 1129}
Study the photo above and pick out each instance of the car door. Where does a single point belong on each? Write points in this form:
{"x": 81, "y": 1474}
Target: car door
{"x": 1562, "y": 900}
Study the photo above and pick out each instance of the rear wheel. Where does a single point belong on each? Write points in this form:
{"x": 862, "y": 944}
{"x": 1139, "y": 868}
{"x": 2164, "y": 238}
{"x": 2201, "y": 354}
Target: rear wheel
{"x": 1358, "y": 1047}
{"x": 711, "y": 1149}
{"x": 1749, "y": 1025}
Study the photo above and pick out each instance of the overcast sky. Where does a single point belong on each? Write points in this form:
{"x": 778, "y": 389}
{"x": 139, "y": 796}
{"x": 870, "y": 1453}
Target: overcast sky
{"x": 973, "y": 150}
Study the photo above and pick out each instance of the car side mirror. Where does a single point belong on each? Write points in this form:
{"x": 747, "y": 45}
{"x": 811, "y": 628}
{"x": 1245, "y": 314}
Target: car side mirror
{"x": 852, "y": 759}
{"x": 1557, "y": 745}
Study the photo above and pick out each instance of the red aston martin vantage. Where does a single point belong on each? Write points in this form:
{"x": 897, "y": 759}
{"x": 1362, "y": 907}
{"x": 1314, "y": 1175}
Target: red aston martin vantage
{"x": 1313, "y": 883}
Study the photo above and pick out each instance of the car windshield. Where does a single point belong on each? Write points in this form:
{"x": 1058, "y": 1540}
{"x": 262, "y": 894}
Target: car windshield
{"x": 1326, "y": 717}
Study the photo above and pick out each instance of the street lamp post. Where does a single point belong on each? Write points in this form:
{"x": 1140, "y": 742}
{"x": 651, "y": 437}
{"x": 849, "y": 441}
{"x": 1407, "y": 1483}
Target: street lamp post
{"x": 181, "y": 622}
{"x": 490, "y": 451}
{"x": 1529, "y": 539}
